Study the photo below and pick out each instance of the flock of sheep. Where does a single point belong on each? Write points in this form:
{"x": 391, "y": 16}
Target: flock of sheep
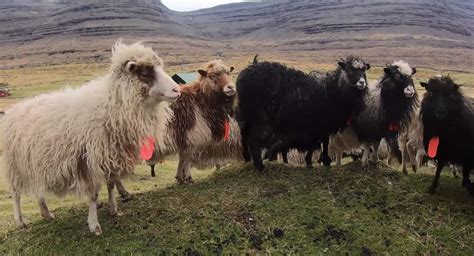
{"x": 76, "y": 140}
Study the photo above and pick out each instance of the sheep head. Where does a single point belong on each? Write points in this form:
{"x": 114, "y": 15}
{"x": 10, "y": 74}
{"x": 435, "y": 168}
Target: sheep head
{"x": 442, "y": 98}
{"x": 353, "y": 71}
{"x": 398, "y": 77}
{"x": 215, "y": 78}
{"x": 140, "y": 68}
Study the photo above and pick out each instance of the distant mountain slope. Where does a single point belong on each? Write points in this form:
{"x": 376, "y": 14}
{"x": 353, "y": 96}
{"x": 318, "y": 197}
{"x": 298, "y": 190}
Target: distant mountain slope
{"x": 37, "y": 32}
{"x": 452, "y": 19}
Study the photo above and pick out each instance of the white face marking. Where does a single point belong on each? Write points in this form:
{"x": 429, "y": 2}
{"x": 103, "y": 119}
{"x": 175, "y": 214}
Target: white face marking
{"x": 164, "y": 87}
{"x": 403, "y": 67}
{"x": 409, "y": 91}
{"x": 358, "y": 64}
{"x": 361, "y": 84}
{"x": 229, "y": 90}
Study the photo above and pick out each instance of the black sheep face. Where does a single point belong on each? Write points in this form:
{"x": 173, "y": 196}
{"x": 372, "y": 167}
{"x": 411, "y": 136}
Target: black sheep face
{"x": 398, "y": 79}
{"x": 354, "y": 72}
{"x": 441, "y": 100}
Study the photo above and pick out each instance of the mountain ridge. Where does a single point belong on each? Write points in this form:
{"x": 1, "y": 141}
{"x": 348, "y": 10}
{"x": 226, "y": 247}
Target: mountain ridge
{"x": 39, "y": 32}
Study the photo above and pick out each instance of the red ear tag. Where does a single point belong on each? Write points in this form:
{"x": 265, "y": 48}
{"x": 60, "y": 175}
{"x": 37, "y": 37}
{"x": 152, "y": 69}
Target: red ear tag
{"x": 393, "y": 127}
{"x": 433, "y": 147}
{"x": 349, "y": 121}
{"x": 226, "y": 130}
{"x": 147, "y": 149}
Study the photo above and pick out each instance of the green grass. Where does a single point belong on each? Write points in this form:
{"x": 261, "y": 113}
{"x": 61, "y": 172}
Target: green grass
{"x": 290, "y": 210}
{"x": 286, "y": 210}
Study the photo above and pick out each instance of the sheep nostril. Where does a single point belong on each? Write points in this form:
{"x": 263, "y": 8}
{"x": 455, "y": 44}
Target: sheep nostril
{"x": 175, "y": 90}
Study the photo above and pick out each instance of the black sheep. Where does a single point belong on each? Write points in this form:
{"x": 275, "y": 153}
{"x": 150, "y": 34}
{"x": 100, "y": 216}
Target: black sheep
{"x": 448, "y": 127}
{"x": 282, "y": 108}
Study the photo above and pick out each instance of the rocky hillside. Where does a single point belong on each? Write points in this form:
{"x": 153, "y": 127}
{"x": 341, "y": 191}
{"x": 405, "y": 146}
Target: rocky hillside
{"x": 37, "y": 32}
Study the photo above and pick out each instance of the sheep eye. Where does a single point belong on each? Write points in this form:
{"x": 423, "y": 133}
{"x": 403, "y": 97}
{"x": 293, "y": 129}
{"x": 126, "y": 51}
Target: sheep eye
{"x": 144, "y": 72}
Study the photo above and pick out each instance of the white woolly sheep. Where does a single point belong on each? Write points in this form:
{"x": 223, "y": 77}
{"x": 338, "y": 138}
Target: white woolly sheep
{"x": 75, "y": 140}
{"x": 410, "y": 142}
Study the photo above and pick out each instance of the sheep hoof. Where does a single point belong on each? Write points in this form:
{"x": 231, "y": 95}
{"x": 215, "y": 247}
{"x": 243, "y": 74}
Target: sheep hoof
{"x": 21, "y": 225}
{"x": 326, "y": 161}
{"x": 260, "y": 168}
{"x": 414, "y": 168}
{"x": 124, "y": 194}
{"x": 188, "y": 180}
{"x": 48, "y": 216}
{"x": 309, "y": 166}
{"x": 96, "y": 229}
{"x": 100, "y": 205}
{"x": 432, "y": 190}
{"x": 179, "y": 180}
{"x": 116, "y": 213}
{"x": 126, "y": 199}
{"x": 405, "y": 171}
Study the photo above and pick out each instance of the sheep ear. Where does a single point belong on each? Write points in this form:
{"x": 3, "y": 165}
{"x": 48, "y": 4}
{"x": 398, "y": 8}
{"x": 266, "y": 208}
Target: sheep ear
{"x": 367, "y": 66}
{"x": 342, "y": 65}
{"x": 231, "y": 69}
{"x": 203, "y": 73}
{"x": 117, "y": 45}
{"x": 413, "y": 71}
{"x": 424, "y": 85}
{"x": 131, "y": 65}
{"x": 255, "y": 59}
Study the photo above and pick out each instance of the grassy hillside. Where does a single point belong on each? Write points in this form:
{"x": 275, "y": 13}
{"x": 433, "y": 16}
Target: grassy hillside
{"x": 285, "y": 210}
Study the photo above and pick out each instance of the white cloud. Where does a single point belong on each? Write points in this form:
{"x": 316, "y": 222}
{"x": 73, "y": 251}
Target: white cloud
{"x": 190, "y": 5}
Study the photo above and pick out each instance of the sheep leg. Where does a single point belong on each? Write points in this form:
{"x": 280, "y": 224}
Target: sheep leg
{"x": 92, "y": 219}
{"x": 284, "y": 155}
{"x": 256, "y": 153}
{"x": 309, "y": 158}
{"x": 245, "y": 143}
{"x": 455, "y": 171}
{"x": 412, "y": 154}
{"x": 187, "y": 171}
{"x": 183, "y": 174}
{"x": 45, "y": 213}
{"x": 466, "y": 182}
{"x": 274, "y": 149}
{"x": 17, "y": 210}
{"x": 404, "y": 150}
{"x": 112, "y": 203}
{"x": 365, "y": 156}
{"x": 434, "y": 184}
{"x": 152, "y": 167}
{"x": 325, "y": 159}
{"x": 339, "y": 158}
{"x": 375, "y": 155}
{"x": 120, "y": 187}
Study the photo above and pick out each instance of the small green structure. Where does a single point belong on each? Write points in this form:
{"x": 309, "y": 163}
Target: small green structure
{"x": 184, "y": 78}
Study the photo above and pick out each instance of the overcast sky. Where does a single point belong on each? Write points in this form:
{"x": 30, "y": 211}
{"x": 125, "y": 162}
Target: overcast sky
{"x": 191, "y": 5}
